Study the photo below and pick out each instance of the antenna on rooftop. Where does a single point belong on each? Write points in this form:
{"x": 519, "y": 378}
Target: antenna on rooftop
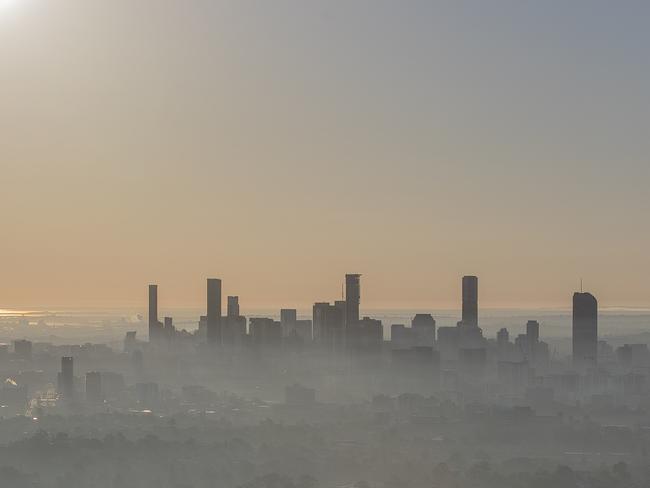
{"x": 580, "y": 285}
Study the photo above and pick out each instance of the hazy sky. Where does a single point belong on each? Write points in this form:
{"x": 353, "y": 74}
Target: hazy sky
{"x": 279, "y": 144}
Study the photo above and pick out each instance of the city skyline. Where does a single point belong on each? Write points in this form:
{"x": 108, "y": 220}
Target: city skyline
{"x": 459, "y": 304}
{"x": 324, "y": 243}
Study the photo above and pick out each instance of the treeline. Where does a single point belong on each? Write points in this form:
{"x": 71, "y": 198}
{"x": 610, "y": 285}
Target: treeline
{"x": 295, "y": 459}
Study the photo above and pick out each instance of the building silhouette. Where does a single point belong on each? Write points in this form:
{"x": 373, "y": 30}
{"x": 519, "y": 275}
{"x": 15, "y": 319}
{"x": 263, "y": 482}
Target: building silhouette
{"x": 265, "y": 332}
{"x": 214, "y": 311}
{"x": 169, "y": 330}
{"x": 424, "y": 329}
{"x": 233, "y": 307}
{"x": 352, "y": 298}
{"x": 66, "y": 378}
{"x": 470, "y": 301}
{"x": 288, "y": 319}
{"x": 585, "y": 330}
{"x": 329, "y": 324}
{"x": 503, "y": 337}
{"x": 532, "y": 331}
{"x": 153, "y": 313}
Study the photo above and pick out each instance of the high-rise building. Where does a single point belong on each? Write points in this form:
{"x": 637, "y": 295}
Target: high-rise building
{"x": 532, "y": 332}
{"x": 66, "y": 378}
{"x": 424, "y": 329}
{"x": 532, "y": 339}
{"x": 265, "y": 331}
{"x": 329, "y": 322}
{"x": 130, "y": 341}
{"x": 154, "y": 325}
{"x": 503, "y": 337}
{"x": 352, "y": 298}
{"x": 585, "y": 330}
{"x": 470, "y": 301}
{"x": 402, "y": 337}
{"x": 233, "y": 307}
{"x": 169, "y": 329}
{"x": 93, "y": 387}
{"x": 371, "y": 335}
{"x": 214, "y": 311}
{"x": 288, "y": 318}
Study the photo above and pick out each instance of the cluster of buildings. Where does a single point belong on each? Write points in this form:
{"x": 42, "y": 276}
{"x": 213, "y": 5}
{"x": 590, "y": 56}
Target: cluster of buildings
{"x": 338, "y": 327}
{"x": 449, "y": 358}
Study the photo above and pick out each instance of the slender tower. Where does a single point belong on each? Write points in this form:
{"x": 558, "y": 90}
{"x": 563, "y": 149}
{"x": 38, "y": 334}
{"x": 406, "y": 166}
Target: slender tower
{"x": 153, "y": 312}
{"x": 585, "y": 330}
{"x": 233, "y": 307}
{"x": 214, "y": 311}
{"x": 352, "y": 298}
{"x": 66, "y": 381}
{"x": 470, "y": 301}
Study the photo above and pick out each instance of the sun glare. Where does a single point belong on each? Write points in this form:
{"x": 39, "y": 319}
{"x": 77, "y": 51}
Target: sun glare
{"x": 5, "y": 4}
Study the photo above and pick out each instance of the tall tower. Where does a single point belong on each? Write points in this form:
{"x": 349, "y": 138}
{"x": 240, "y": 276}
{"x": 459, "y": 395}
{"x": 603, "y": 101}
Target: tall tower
{"x": 470, "y": 301}
{"x": 233, "y": 307}
{"x": 532, "y": 332}
{"x": 352, "y": 298}
{"x": 214, "y": 311}
{"x": 153, "y": 312}
{"x": 585, "y": 330}
{"x": 66, "y": 378}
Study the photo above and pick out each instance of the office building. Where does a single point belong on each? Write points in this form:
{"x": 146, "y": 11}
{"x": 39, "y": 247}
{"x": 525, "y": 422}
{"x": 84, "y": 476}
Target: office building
{"x": 532, "y": 331}
{"x": 288, "y": 318}
{"x": 329, "y": 324}
{"x": 233, "y": 307}
{"x": 303, "y": 329}
{"x": 66, "y": 378}
{"x": 470, "y": 301}
{"x": 352, "y": 298}
{"x": 585, "y": 330}
{"x": 169, "y": 329}
{"x": 503, "y": 337}
{"x": 424, "y": 329}
{"x": 265, "y": 332}
{"x": 401, "y": 337}
{"x": 214, "y": 311}
{"x": 154, "y": 325}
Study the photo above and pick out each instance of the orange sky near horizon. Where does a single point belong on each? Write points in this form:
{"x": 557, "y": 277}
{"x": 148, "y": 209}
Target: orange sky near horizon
{"x": 279, "y": 145}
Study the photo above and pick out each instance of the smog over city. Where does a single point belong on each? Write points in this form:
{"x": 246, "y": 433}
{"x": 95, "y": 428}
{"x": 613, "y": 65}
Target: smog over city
{"x": 324, "y": 244}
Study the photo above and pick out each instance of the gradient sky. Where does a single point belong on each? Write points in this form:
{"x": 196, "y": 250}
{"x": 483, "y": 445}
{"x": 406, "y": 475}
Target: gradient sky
{"x": 279, "y": 144}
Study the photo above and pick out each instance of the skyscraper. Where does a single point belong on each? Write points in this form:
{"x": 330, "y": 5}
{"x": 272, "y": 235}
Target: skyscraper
{"x": 585, "y": 330}
{"x": 424, "y": 329}
{"x": 168, "y": 329}
{"x": 329, "y": 321}
{"x": 503, "y": 337}
{"x": 214, "y": 311}
{"x": 532, "y": 331}
{"x": 470, "y": 301}
{"x": 153, "y": 312}
{"x": 233, "y": 307}
{"x": 352, "y": 298}
{"x": 288, "y": 318}
{"x": 66, "y": 378}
